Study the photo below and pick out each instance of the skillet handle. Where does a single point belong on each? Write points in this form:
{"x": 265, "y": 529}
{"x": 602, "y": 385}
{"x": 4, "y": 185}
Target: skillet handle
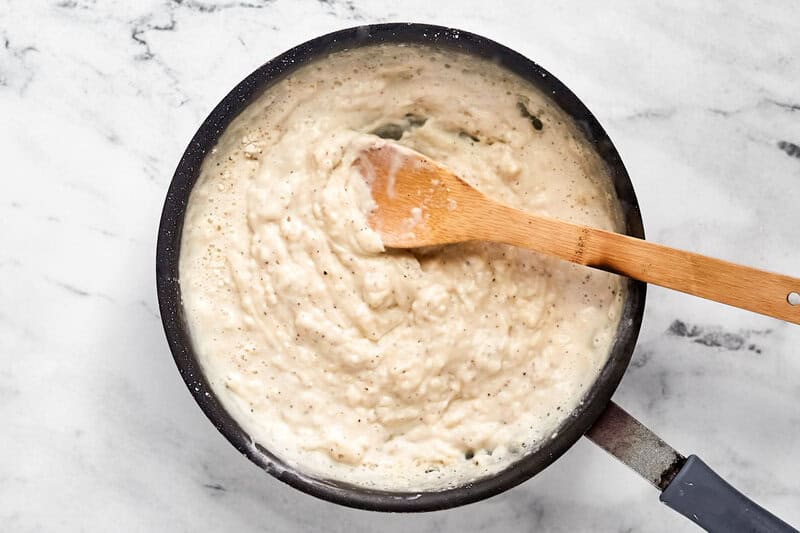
{"x": 687, "y": 485}
{"x": 699, "y": 494}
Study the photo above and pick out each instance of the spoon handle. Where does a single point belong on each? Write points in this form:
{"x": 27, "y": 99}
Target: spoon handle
{"x": 748, "y": 288}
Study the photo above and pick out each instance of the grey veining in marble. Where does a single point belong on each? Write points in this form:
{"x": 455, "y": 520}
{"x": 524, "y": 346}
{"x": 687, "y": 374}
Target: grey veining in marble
{"x": 97, "y": 102}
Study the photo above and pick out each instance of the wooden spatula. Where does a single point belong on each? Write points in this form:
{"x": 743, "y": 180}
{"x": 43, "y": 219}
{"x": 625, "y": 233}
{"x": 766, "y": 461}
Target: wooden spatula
{"x": 420, "y": 203}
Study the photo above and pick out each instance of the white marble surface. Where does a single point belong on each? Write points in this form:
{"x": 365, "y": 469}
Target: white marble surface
{"x": 98, "y": 100}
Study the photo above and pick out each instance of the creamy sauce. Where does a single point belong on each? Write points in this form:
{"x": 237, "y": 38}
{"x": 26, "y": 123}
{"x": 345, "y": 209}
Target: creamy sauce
{"x": 401, "y": 370}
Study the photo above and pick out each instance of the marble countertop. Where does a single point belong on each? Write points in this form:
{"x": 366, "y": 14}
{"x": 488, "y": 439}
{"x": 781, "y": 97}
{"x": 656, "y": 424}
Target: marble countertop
{"x": 98, "y": 101}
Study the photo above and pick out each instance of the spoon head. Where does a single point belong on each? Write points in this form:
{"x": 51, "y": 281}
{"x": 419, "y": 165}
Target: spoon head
{"x": 417, "y": 202}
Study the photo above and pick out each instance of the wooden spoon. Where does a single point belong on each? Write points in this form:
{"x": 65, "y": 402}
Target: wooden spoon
{"x": 420, "y": 203}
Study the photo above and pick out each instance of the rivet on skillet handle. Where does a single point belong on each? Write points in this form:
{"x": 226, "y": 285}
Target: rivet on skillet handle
{"x": 688, "y": 485}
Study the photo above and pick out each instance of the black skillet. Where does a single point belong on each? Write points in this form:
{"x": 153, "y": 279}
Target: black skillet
{"x": 687, "y": 484}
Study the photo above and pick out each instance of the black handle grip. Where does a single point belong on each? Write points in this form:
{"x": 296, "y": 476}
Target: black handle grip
{"x": 700, "y": 495}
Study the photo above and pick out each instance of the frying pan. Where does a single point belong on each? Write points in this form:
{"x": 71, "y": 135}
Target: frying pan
{"x": 687, "y": 484}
